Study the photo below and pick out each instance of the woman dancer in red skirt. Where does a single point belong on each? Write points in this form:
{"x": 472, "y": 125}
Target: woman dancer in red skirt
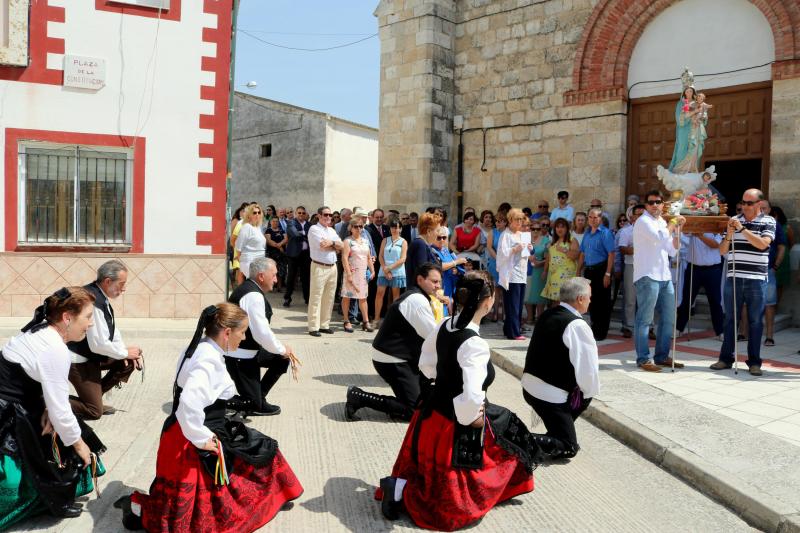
{"x": 212, "y": 474}
{"x": 461, "y": 455}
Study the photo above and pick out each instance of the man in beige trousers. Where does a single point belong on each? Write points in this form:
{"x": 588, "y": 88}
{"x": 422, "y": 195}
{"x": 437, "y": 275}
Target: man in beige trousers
{"x": 323, "y": 244}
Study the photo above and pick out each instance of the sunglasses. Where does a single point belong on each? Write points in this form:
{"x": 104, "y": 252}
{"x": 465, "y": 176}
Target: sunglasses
{"x": 655, "y": 202}
{"x": 750, "y": 202}
{"x": 358, "y": 226}
{"x": 256, "y": 212}
{"x": 536, "y": 229}
{"x": 545, "y": 225}
{"x": 562, "y": 197}
{"x": 326, "y": 215}
{"x": 545, "y": 205}
{"x": 441, "y": 238}
{"x": 595, "y": 206}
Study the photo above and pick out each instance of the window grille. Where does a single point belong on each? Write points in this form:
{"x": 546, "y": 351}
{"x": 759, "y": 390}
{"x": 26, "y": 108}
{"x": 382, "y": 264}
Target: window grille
{"x": 75, "y": 195}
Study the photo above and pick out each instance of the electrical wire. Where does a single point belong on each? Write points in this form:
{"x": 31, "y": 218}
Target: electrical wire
{"x": 266, "y": 32}
{"x": 245, "y": 32}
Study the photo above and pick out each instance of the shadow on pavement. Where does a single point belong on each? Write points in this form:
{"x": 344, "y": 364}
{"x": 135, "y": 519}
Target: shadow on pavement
{"x": 359, "y": 380}
{"x": 351, "y": 501}
{"x": 335, "y": 411}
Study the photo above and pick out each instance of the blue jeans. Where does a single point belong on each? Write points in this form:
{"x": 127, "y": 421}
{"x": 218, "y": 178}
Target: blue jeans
{"x": 752, "y": 292}
{"x": 652, "y": 296}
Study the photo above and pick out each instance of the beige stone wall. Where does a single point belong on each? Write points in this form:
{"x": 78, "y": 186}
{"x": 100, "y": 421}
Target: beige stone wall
{"x": 784, "y": 159}
{"x": 159, "y": 286}
{"x": 415, "y": 138}
{"x": 14, "y": 33}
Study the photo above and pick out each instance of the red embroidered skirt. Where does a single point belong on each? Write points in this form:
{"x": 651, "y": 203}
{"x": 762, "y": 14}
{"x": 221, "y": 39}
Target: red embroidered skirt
{"x": 183, "y": 496}
{"x": 438, "y": 496}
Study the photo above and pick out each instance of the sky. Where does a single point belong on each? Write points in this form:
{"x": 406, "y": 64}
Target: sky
{"x": 343, "y": 82}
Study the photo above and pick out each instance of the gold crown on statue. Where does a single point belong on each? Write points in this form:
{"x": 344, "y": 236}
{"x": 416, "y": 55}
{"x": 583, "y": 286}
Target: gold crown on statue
{"x": 687, "y": 78}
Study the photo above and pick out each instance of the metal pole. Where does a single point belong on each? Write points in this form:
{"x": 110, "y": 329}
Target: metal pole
{"x": 675, "y": 313}
{"x": 228, "y": 165}
{"x": 735, "y": 309}
{"x": 691, "y": 297}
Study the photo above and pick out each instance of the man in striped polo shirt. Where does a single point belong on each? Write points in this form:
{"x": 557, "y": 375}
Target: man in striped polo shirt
{"x": 751, "y": 233}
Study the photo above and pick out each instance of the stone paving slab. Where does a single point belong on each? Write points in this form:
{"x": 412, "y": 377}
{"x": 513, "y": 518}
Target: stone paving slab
{"x": 734, "y": 436}
{"x": 607, "y": 487}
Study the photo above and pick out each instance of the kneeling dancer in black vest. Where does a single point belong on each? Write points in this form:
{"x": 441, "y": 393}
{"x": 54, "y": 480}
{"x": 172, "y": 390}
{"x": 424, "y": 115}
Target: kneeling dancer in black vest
{"x": 212, "y": 473}
{"x": 561, "y": 369}
{"x": 260, "y": 348}
{"x": 409, "y": 321}
{"x": 461, "y": 455}
{"x": 102, "y": 349}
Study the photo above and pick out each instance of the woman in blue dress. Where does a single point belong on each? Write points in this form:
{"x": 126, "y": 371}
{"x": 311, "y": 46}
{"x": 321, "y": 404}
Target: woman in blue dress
{"x": 392, "y": 273}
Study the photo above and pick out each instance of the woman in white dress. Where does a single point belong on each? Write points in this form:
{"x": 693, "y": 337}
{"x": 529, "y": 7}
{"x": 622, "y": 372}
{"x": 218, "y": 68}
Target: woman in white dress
{"x": 251, "y": 242}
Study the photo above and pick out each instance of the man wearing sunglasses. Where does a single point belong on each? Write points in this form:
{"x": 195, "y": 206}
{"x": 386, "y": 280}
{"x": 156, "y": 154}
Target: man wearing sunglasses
{"x": 655, "y": 241}
{"x": 323, "y": 244}
{"x": 543, "y": 210}
{"x": 564, "y": 210}
{"x": 751, "y": 233}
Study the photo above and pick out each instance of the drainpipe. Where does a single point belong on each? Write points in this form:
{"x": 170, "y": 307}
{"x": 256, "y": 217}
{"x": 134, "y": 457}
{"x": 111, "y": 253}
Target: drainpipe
{"x": 460, "y": 176}
{"x": 228, "y": 173}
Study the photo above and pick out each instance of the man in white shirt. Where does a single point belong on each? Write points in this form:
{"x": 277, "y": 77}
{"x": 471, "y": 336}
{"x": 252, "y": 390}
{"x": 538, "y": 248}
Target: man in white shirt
{"x": 102, "y": 349}
{"x": 655, "y": 242}
{"x": 561, "y": 373}
{"x": 323, "y": 244}
{"x": 397, "y": 347}
{"x": 260, "y": 347}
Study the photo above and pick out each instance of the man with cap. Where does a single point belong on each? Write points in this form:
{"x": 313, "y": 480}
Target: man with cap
{"x": 260, "y": 347}
{"x": 564, "y": 209}
{"x": 102, "y": 348}
{"x": 397, "y": 347}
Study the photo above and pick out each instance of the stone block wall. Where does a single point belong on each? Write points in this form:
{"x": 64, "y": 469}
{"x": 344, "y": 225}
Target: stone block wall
{"x": 784, "y": 162}
{"x": 159, "y": 286}
{"x": 417, "y": 97}
{"x": 512, "y": 69}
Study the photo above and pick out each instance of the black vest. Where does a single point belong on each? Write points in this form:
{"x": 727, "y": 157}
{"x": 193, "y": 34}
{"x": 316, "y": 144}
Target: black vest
{"x": 100, "y": 302}
{"x": 396, "y": 336}
{"x": 16, "y": 386}
{"x": 249, "y": 343}
{"x": 449, "y": 376}
{"x": 548, "y": 356}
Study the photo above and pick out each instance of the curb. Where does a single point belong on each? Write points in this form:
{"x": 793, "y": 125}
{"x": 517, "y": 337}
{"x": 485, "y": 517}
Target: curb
{"x": 754, "y": 506}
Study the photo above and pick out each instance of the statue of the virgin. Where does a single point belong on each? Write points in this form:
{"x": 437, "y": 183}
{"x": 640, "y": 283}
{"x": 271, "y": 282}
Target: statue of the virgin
{"x": 690, "y": 129}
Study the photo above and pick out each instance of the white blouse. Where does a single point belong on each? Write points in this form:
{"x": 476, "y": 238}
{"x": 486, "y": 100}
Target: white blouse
{"x": 203, "y": 380}
{"x": 473, "y": 357}
{"x": 44, "y": 357}
{"x": 511, "y": 267}
{"x": 251, "y": 242}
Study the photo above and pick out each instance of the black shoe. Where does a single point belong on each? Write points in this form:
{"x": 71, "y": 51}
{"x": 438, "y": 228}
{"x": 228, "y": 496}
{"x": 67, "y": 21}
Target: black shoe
{"x": 389, "y": 506}
{"x": 129, "y": 519}
{"x": 72, "y": 510}
{"x": 287, "y": 302}
{"x": 352, "y": 404}
{"x": 267, "y": 410}
{"x": 315, "y": 333}
{"x": 329, "y": 331}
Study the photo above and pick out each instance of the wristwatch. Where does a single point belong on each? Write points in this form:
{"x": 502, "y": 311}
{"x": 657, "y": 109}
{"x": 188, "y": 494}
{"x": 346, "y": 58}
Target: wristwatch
{"x": 608, "y": 274}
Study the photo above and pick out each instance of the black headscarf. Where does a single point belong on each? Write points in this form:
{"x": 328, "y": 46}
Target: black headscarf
{"x": 39, "y": 320}
{"x": 474, "y": 287}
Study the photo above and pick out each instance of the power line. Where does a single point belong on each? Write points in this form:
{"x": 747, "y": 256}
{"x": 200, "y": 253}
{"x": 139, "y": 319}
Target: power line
{"x": 306, "y": 49}
{"x": 266, "y": 32}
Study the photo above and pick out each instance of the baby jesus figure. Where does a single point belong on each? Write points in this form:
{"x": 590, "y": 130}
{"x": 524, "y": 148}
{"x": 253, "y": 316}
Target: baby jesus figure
{"x": 701, "y": 106}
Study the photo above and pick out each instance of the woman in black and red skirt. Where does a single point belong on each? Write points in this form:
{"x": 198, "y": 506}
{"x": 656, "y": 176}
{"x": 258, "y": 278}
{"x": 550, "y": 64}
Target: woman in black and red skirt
{"x": 461, "y": 455}
{"x": 212, "y": 474}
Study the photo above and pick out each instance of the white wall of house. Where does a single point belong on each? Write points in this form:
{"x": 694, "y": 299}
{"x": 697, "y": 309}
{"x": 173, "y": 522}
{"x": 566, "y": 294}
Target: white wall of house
{"x": 149, "y": 92}
{"x": 708, "y": 36}
{"x": 351, "y": 165}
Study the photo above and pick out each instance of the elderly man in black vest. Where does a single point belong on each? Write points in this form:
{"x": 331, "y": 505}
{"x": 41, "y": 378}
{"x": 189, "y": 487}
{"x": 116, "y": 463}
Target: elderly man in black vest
{"x": 260, "y": 348}
{"x": 561, "y": 373}
{"x": 102, "y": 349}
{"x": 397, "y": 348}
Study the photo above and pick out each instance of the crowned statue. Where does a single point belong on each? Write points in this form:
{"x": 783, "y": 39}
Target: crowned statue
{"x": 691, "y": 191}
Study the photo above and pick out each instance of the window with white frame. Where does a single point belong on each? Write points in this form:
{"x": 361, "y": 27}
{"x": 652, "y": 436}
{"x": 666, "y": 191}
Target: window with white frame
{"x": 74, "y": 195}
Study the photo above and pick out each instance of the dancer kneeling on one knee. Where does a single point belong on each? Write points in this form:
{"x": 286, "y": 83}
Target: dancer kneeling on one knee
{"x": 47, "y": 456}
{"x": 461, "y": 455}
{"x": 212, "y": 473}
{"x": 397, "y": 347}
{"x": 561, "y": 370}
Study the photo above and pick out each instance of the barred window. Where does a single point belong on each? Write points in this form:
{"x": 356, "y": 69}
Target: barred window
{"x": 74, "y": 195}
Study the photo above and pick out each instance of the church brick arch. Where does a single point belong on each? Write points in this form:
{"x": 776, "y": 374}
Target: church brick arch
{"x": 601, "y": 64}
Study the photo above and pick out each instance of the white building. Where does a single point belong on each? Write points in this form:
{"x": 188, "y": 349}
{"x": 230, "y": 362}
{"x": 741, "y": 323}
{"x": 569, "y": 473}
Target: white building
{"x": 114, "y": 128}
{"x": 287, "y": 156}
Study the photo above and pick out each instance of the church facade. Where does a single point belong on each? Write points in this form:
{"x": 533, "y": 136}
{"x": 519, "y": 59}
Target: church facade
{"x": 491, "y": 101}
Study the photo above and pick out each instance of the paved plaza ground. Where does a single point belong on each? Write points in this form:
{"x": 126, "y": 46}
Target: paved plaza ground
{"x": 607, "y": 487}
